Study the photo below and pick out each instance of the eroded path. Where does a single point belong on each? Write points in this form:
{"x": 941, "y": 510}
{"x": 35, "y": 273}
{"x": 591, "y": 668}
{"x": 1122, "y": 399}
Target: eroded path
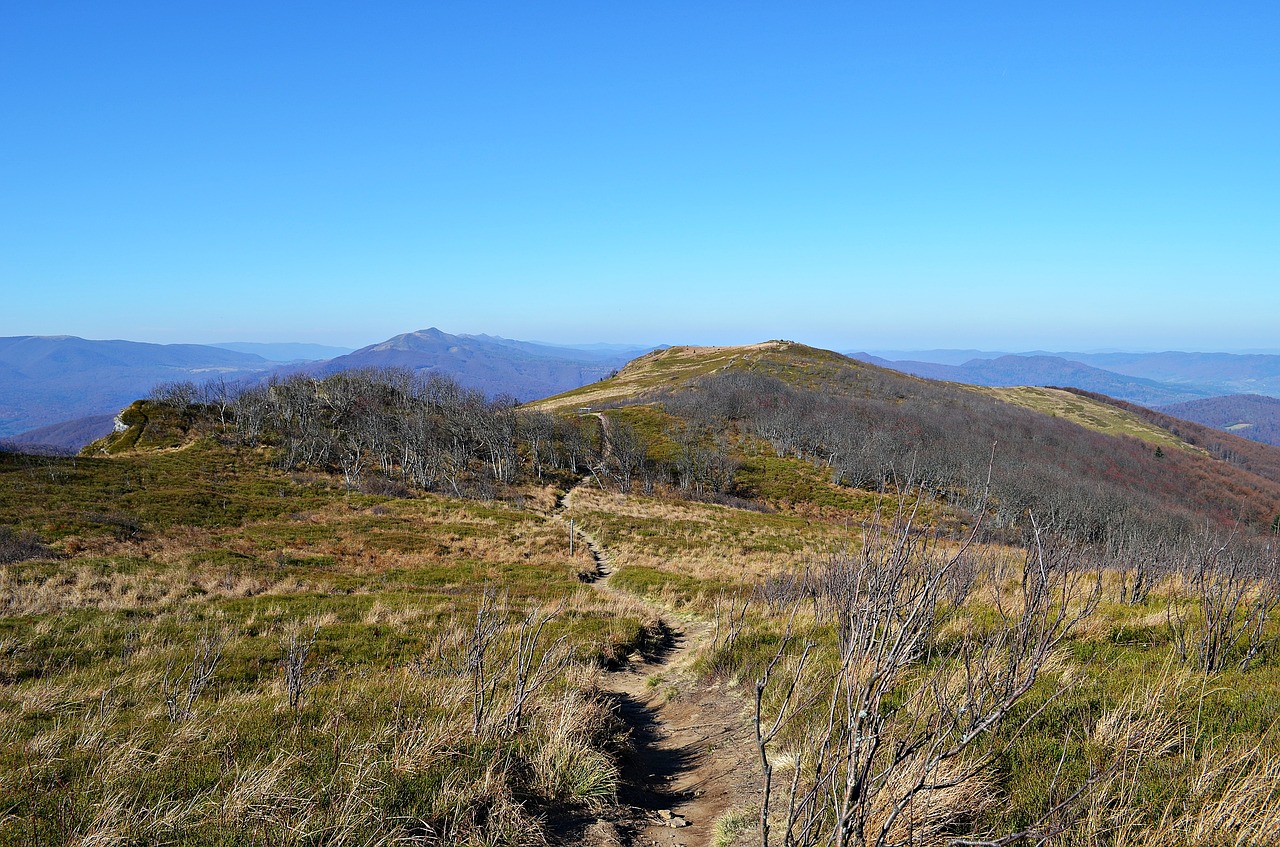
{"x": 695, "y": 757}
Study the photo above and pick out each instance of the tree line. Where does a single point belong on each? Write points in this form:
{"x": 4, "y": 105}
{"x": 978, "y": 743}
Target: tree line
{"x": 868, "y": 430}
{"x": 982, "y": 454}
{"x": 386, "y": 428}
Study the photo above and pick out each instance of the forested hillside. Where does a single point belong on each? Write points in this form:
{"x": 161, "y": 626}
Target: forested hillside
{"x": 1250, "y": 416}
{"x": 1250, "y": 454}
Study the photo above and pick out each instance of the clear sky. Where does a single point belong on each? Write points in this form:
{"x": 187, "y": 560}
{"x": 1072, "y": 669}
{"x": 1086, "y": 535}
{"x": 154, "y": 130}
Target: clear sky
{"x": 857, "y": 175}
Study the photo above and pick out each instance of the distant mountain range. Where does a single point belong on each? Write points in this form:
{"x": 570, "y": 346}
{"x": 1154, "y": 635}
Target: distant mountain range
{"x": 51, "y": 379}
{"x": 1047, "y": 370}
{"x": 1156, "y": 378}
{"x": 1217, "y": 373}
{"x": 62, "y": 391}
{"x": 1248, "y": 415}
{"x": 521, "y": 369}
{"x": 1220, "y": 390}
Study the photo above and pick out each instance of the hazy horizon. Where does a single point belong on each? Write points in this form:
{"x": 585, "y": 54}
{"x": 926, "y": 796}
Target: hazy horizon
{"x": 917, "y": 176}
{"x": 939, "y": 354}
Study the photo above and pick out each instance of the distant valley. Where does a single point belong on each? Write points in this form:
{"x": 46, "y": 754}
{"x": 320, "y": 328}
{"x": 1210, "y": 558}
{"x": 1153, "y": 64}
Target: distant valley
{"x": 1250, "y": 416}
{"x": 62, "y": 392}
{"x": 1144, "y": 378}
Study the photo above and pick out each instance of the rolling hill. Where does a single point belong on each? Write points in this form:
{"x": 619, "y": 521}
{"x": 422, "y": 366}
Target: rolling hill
{"x": 1221, "y": 373}
{"x": 1250, "y": 416}
{"x": 493, "y": 365}
{"x": 50, "y": 379}
{"x": 872, "y": 426}
{"x": 1012, "y": 370}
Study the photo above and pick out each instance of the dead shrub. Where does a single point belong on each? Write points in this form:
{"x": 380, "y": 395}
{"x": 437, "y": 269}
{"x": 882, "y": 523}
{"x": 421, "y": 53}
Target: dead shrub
{"x": 21, "y": 547}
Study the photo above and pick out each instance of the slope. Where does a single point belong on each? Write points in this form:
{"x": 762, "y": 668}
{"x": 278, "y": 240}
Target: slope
{"x": 1254, "y": 456}
{"x": 50, "y": 379}
{"x": 492, "y": 365}
{"x": 1250, "y": 416}
{"x": 870, "y": 427}
{"x": 681, "y": 366}
{"x": 1098, "y": 415}
{"x": 1013, "y": 370}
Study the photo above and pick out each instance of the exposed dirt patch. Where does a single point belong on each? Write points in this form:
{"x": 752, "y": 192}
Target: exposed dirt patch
{"x": 694, "y": 755}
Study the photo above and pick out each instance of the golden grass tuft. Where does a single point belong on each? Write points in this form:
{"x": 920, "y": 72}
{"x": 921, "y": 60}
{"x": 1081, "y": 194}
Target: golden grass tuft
{"x": 1150, "y": 721}
{"x": 567, "y": 764}
{"x": 929, "y": 816}
{"x": 1246, "y": 808}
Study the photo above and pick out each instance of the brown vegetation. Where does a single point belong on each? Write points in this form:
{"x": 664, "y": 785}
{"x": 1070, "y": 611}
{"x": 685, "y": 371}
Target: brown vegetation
{"x": 273, "y": 619}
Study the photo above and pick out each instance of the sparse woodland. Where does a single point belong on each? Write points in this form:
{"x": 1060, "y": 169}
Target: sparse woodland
{"x": 345, "y": 612}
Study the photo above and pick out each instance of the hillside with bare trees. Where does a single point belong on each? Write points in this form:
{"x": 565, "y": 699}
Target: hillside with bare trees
{"x": 758, "y": 595}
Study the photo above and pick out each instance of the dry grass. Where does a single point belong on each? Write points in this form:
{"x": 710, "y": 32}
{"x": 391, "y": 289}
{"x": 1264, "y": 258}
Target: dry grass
{"x": 1090, "y": 414}
{"x": 27, "y": 592}
{"x": 386, "y": 746}
{"x": 902, "y": 813}
{"x": 928, "y": 817}
{"x": 1246, "y": 809}
{"x": 382, "y": 746}
{"x": 1233, "y": 799}
{"x": 1152, "y": 719}
{"x": 712, "y": 543}
{"x": 661, "y": 368}
{"x": 325, "y": 779}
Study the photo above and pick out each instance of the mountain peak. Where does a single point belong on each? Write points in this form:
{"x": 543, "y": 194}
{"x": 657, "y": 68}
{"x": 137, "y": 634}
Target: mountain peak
{"x": 488, "y": 363}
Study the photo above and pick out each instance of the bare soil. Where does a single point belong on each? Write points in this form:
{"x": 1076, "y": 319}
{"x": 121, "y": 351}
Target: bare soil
{"x": 694, "y": 756}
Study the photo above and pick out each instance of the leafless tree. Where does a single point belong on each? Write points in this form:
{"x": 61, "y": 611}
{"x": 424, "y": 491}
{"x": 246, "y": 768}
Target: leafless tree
{"x": 890, "y": 725}
{"x": 1235, "y": 591}
{"x": 297, "y": 649}
{"x": 183, "y": 685}
{"x": 533, "y": 665}
{"x": 626, "y": 453}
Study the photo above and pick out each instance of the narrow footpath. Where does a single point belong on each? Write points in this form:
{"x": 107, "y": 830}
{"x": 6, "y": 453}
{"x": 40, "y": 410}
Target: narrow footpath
{"x": 694, "y": 744}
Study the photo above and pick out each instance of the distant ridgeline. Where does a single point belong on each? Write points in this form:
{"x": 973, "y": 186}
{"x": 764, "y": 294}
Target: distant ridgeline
{"x": 61, "y": 392}
{"x": 711, "y": 422}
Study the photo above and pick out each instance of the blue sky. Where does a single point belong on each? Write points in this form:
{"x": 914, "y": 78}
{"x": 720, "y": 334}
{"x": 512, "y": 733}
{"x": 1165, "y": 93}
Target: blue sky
{"x": 855, "y": 175}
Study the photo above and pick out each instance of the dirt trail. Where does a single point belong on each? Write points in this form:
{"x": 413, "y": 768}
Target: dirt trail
{"x": 695, "y": 755}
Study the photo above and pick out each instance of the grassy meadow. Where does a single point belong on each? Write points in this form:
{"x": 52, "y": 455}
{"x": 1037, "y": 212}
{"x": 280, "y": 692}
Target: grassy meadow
{"x": 361, "y": 623}
{"x": 1139, "y": 745}
{"x": 218, "y": 652}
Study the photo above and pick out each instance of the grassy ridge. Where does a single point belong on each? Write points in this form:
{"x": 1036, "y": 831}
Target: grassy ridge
{"x": 677, "y": 367}
{"x": 1089, "y": 413}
